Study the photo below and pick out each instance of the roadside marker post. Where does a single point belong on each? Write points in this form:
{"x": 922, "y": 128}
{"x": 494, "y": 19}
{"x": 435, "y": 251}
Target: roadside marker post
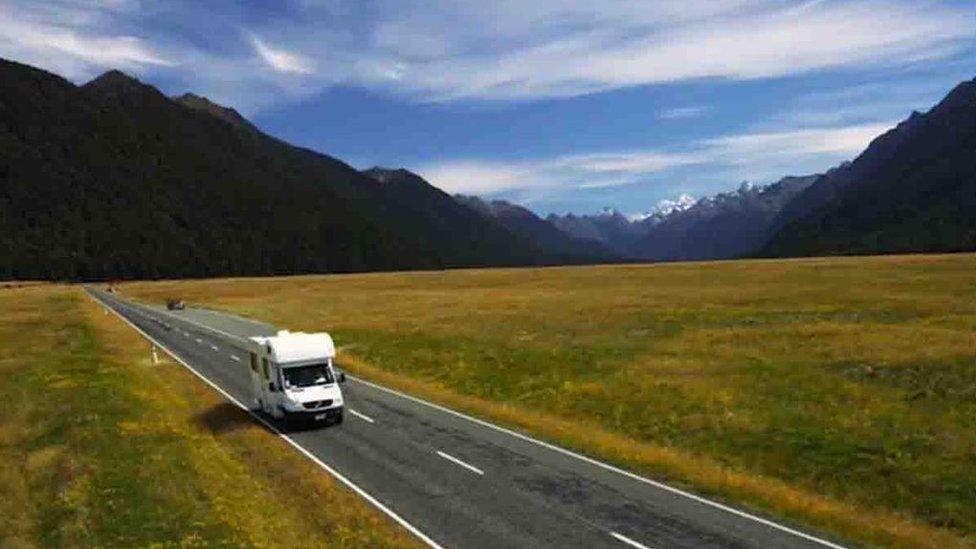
{"x": 155, "y": 356}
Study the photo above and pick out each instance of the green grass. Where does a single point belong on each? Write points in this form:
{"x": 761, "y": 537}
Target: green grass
{"x": 100, "y": 448}
{"x": 837, "y": 392}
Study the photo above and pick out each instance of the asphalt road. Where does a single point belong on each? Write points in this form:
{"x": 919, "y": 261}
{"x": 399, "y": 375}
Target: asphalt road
{"x": 462, "y": 482}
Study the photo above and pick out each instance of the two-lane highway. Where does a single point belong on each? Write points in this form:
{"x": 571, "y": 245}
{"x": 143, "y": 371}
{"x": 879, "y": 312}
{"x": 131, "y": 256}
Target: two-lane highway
{"x": 458, "y": 481}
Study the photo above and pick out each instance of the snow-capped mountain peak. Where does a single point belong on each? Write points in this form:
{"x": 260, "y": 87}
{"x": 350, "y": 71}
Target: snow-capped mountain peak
{"x": 666, "y": 207}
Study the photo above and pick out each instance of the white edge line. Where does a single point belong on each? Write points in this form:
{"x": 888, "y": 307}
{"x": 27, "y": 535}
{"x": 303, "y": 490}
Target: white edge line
{"x": 235, "y": 358}
{"x": 362, "y": 493}
{"x": 363, "y": 417}
{"x": 457, "y": 461}
{"x": 606, "y": 466}
{"x": 629, "y": 541}
{"x": 573, "y": 454}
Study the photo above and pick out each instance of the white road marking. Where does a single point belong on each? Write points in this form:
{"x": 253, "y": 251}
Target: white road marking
{"x": 235, "y": 358}
{"x": 363, "y": 417}
{"x": 603, "y": 465}
{"x": 349, "y": 484}
{"x": 214, "y": 347}
{"x": 629, "y": 541}
{"x": 521, "y": 436}
{"x": 230, "y": 337}
{"x": 199, "y": 341}
{"x": 451, "y": 458}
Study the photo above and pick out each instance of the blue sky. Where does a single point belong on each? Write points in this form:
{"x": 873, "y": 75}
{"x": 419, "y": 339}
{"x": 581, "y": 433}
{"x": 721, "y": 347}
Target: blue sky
{"x": 559, "y": 105}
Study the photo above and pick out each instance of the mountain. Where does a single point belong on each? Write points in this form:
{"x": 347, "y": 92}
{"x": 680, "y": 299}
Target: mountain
{"x": 226, "y": 114}
{"x": 113, "y": 179}
{"x": 723, "y": 226}
{"x": 540, "y": 232}
{"x": 610, "y": 228}
{"x": 665, "y": 208}
{"x": 912, "y": 190}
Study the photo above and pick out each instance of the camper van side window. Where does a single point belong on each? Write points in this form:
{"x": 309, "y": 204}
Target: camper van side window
{"x": 264, "y": 366}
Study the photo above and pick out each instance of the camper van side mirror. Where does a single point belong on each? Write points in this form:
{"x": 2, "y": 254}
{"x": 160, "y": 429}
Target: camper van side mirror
{"x": 271, "y": 387}
{"x": 342, "y": 377}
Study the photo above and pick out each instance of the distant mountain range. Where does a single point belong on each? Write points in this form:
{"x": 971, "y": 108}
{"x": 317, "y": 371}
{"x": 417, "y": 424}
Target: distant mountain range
{"x": 543, "y": 234}
{"x": 113, "y": 179}
{"x": 912, "y": 190}
{"x": 726, "y": 225}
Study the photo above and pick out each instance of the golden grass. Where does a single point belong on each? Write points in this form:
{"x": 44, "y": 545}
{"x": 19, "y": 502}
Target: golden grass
{"x": 839, "y": 392}
{"x": 251, "y": 478}
{"x": 688, "y": 470}
{"x": 136, "y": 454}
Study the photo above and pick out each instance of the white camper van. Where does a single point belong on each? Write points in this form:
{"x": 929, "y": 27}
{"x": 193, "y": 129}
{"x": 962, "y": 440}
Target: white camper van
{"x": 293, "y": 378}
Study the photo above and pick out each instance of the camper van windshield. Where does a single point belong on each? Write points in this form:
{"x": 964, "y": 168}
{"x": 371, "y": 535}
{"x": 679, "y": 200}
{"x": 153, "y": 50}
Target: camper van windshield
{"x": 306, "y": 376}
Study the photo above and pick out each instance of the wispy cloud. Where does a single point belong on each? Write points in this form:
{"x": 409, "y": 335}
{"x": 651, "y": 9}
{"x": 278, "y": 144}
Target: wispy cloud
{"x": 767, "y": 148}
{"x": 74, "y": 52}
{"x": 682, "y": 113}
{"x": 584, "y": 171}
{"x": 863, "y": 102}
{"x": 510, "y": 49}
{"x": 559, "y": 49}
{"x": 754, "y": 155}
{"x": 282, "y": 60}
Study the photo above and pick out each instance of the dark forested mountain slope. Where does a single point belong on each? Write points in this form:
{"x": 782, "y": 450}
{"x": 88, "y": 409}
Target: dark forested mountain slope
{"x": 113, "y": 179}
{"x": 540, "y": 232}
{"x": 912, "y": 190}
{"x": 226, "y": 114}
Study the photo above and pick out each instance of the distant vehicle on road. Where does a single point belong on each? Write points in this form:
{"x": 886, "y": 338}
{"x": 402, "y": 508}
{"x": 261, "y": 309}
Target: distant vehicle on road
{"x": 175, "y": 304}
{"x": 293, "y": 377}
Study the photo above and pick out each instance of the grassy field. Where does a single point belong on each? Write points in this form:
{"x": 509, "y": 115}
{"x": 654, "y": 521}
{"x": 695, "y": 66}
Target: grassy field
{"x": 839, "y": 393}
{"x": 98, "y": 447}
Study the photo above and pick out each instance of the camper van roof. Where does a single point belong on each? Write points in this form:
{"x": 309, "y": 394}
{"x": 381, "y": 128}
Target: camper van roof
{"x": 295, "y": 346}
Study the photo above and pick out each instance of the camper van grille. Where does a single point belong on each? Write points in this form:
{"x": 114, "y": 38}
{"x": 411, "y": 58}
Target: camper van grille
{"x": 317, "y": 404}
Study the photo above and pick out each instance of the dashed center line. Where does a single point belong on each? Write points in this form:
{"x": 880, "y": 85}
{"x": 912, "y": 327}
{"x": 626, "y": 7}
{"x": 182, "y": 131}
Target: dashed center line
{"x": 363, "y": 417}
{"x": 456, "y": 461}
{"x": 235, "y": 358}
{"x": 629, "y": 541}
{"x": 200, "y": 341}
{"x": 214, "y": 347}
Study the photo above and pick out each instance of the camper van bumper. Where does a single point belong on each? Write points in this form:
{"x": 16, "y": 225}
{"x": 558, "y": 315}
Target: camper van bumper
{"x": 332, "y": 415}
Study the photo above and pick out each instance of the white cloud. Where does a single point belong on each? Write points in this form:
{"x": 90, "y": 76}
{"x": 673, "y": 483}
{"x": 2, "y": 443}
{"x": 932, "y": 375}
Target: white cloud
{"x": 440, "y": 50}
{"x": 558, "y": 49}
{"x": 877, "y": 100}
{"x": 282, "y": 60}
{"x": 585, "y": 171}
{"x": 627, "y": 162}
{"x": 754, "y": 155}
{"x": 72, "y": 52}
{"x": 481, "y": 177}
{"x": 767, "y": 147}
{"x": 683, "y": 113}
